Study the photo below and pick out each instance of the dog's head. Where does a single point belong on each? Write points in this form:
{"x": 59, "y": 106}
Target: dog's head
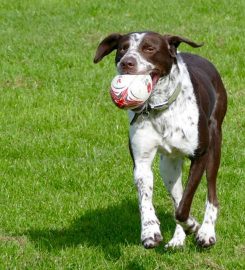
{"x": 142, "y": 52}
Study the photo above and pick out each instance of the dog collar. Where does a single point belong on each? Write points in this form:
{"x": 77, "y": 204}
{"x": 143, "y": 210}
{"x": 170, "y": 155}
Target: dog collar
{"x": 147, "y": 108}
{"x": 166, "y": 103}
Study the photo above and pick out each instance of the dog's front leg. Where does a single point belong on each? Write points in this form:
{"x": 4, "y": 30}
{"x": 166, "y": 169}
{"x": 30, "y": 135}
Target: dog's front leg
{"x": 171, "y": 172}
{"x": 143, "y": 154}
{"x": 150, "y": 231}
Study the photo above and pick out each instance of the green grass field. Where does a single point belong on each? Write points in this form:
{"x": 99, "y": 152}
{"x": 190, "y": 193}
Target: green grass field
{"x": 67, "y": 197}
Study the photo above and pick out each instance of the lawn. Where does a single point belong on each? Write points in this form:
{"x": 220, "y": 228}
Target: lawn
{"x": 67, "y": 197}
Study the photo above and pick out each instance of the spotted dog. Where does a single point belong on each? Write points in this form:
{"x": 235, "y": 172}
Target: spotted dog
{"x": 182, "y": 118}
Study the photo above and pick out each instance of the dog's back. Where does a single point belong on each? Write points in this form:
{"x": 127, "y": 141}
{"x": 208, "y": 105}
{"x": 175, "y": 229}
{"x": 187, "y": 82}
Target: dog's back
{"x": 207, "y": 85}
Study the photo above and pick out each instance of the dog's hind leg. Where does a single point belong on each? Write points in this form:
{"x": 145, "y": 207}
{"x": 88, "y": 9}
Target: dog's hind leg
{"x": 171, "y": 172}
{"x": 198, "y": 165}
{"x": 206, "y": 234}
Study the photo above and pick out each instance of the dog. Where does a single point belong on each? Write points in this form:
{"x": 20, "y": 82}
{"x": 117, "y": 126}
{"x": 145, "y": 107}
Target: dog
{"x": 182, "y": 118}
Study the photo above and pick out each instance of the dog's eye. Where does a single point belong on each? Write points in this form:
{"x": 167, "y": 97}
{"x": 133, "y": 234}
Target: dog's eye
{"x": 124, "y": 48}
{"x": 148, "y": 49}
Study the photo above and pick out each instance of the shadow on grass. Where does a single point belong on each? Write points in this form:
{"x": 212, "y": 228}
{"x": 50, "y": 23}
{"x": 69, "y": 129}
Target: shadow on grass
{"x": 103, "y": 228}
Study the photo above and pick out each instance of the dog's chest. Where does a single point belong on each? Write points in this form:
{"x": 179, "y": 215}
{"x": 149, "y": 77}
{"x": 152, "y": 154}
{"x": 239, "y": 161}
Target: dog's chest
{"x": 173, "y": 131}
{"x": 177, "y": 127}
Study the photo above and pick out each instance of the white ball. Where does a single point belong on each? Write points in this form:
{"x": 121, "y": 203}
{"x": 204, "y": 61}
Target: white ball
{"x": 130, "y": 91}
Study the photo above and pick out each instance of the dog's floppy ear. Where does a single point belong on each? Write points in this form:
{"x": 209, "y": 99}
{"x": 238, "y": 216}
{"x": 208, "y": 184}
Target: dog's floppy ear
{"x": 174, "y": 42}
{"x": 106, "y": 46}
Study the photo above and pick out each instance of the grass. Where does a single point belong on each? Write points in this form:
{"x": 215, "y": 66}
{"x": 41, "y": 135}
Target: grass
{"x": 67, "y": 196}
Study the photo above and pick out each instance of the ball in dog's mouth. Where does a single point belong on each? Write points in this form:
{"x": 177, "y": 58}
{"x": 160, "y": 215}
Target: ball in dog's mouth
{"x": 131, "y": 91}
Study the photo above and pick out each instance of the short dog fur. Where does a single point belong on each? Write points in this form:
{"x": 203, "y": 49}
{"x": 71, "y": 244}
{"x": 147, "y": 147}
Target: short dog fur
{"x": 182, "y": 118}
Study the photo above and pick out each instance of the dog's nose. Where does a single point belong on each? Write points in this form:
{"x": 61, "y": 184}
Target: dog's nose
{"x": 128, "y": 64}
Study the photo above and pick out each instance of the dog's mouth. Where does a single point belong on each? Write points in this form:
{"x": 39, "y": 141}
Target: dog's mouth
{"x": 155, "y": 76}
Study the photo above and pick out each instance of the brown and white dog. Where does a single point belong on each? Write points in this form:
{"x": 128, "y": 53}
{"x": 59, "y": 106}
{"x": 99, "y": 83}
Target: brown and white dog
{"x": 182, "y": 117}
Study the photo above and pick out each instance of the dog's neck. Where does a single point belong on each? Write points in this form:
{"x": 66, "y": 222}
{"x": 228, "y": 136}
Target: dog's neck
{"x": 165, "y": 87}
{"x": 164, "y": 94}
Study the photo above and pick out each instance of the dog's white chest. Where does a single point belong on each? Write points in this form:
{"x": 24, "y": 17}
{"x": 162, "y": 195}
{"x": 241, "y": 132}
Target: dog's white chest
{"x": 177, "y": 129}
{"x": 173, "y": 131}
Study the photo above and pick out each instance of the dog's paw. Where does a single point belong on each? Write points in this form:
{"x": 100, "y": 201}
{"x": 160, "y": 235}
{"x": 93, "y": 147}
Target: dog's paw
{"x": 152, "y": 242}
{"x": 190, "y": 225}
{"x": 175, "y": 243}
{"x": 206, "y": 235}
{"x": 151, "y": 234}
{"x": 178, "y": 239}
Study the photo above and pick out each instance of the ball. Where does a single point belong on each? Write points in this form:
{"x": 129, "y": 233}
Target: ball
{"x": 130, "y": 91}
